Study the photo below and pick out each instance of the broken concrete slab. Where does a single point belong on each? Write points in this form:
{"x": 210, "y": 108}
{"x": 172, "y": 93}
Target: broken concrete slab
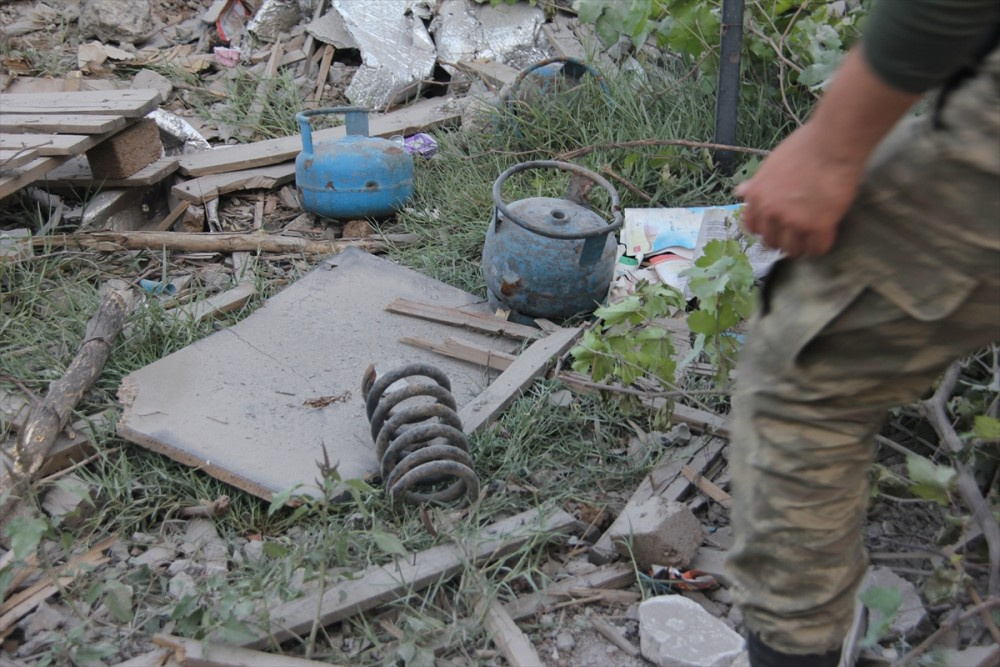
{"x": 121, "y": 21}
{"x": 658, "y": 532}
{"x": 677, "y": 632}
{"x": 239, "y": 403}
{"x": 330, "y": 29}
{"x": 397, "y": 52}
{"x": 506, "y": 33}
{"x": 912, "y": 613}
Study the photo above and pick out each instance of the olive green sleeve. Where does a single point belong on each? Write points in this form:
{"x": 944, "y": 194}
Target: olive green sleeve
{"x": 916, "y": 45}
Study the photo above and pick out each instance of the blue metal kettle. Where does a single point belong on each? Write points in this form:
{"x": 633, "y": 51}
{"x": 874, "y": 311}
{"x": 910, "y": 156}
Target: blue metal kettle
{"x": 548, "y": 257}
{"x": 357, "y": 176}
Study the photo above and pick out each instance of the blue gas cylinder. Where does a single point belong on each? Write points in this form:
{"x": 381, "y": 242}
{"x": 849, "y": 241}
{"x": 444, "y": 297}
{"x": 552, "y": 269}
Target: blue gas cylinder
{"x": 548, "y": 257}
{"x": 356, "y": 176}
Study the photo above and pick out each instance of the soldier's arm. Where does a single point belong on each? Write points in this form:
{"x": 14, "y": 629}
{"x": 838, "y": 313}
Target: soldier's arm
{"x": 803, "y": 189}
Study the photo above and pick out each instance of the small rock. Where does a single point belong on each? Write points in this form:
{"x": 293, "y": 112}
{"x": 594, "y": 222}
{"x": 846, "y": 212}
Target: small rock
{"x": 182, "y": 565}
{"x": 147, "y": 78}
{"x": 676, "y": 632}
{"x": 911, "y": 612}
{"x": 45, "y": 617}
{"x": 116, "y": 20}
{"x": 565, "y": 641}
{"x": 155, "y": 556}
{"x": 547, "y": 620}
{"x": 661, "y": 532}
{"x": 722, "y": 596}
{"x": 254, "y": 551}
{"x": 201, "y": 539}
{"x": 182, "y": 585}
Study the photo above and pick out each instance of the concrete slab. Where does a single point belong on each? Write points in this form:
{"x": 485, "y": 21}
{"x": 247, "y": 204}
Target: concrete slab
{"x": 239, "y": 404}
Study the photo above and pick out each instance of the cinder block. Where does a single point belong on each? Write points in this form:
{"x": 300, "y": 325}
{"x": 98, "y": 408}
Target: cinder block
{"x": 127, "y": 152}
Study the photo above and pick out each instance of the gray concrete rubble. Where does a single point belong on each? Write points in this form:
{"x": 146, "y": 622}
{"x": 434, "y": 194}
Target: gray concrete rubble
{"x": 122, "y": 21}
{"x": 396, "y": 50}
{"x": 330, "y": 29}
{"x": 511, "y": 34}
{"x": 658, "y": 532}
{"x": 677, "y": 632}
{"x": 273, "y": 18}
{"x": 911, "y": 612}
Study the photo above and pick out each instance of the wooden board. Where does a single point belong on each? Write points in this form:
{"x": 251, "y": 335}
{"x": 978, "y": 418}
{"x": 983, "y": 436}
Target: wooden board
{"x": 48, "y": 144}
{"x": 11, "y": 158}
{"x": 28, "y": 174}
{"x": 200, "y": 190}
{"x": 76, "y": 172}
{"x": 495, "y": 74}
{"x": 464, "y": 350}
{"x": 529, "y": 365}
{"x": 408, "y": 574}
{"x": 128, "y": 103}
{"x": 61, "y": 123}
{"x": 459, "y": 318}
{"x": 420, "y": 116}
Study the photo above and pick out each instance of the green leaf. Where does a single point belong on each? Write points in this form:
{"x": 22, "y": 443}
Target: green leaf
{"x": 119, "y": 601}
{"x": 987, "y": 428}
{"x": 588, "y": 11}
{"x": 389, "y": 544}
{"x": 885, "y": 603}
{"x": 930, "y": 481}
{"x": 274, "y": 549}
{"x": 281, "y": 498}
{"x": 702, "y": 322}
{"x": 360, "y": 485}
{"x": 25, "y": 534}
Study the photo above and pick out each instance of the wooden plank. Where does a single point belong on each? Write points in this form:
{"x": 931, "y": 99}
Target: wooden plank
{"x": 223, "y": 302}
{"x": 16, "y": 157}
{"x": 202, "y": 189}
{"x": 614, "y": 635}
{"x": 129, "y": 103}
{"x": 665, "y": 480}
{"x": 495, "y": 74}
{"x": 379, "y": 584}
{"x": 708, "y": 487}
{"x": 76, "y": 172}
{"x": 461, "y": 318}
{"x": 465, "y": 351}
{"x": 61, "y": 123}
{"x": 324, "y": 71}
{"x": 48, "y": 144}
{"x": 420, "y": 116}
{"x": 531, "y": 363}
{"x": 28, "y": 174}
{"x": 514, "y": 645}
{"x": 198, "y": 653}
{"x": 615, "y": 575}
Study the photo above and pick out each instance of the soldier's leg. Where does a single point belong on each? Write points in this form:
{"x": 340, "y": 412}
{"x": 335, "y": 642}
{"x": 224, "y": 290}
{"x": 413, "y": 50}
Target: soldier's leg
{"x": 913, "y": 282}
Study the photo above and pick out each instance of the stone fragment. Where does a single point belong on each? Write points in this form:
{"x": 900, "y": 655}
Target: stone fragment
{"x": 658, "y": 532}
{"x": 154, "y": 556}
{"x": 182, "y": 585}
{"x": 273, "y": 18}
{"x": 330, "y": 29}
{"x": 254, "y": 551}
{"x": 202, "y": 543}
{"x": 911, "y": 612}
{"x": 677, "y": 632}
{"x": 127, "y": 152}
{"x": 116, "y": 20}
{"x": 565, "y": 641}
{"x": 147, "y": 78}
{"x": 45, "y": 617}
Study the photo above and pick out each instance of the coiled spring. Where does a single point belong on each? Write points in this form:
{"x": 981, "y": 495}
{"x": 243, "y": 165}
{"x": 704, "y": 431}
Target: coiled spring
{"x": 420, "y": 445}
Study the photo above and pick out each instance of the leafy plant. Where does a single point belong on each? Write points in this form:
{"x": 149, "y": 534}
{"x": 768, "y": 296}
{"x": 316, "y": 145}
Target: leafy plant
{"x": 628, "y": 343}
{"x": 883, "y": 605}
{"x": 722, "y": 280}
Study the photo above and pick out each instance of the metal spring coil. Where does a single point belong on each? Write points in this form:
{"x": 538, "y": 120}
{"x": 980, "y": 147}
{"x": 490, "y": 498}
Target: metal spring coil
{"x": 419, "y": 445}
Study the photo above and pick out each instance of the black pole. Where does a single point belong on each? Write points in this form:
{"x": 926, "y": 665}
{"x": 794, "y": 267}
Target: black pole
{"x": 728, "y": 91}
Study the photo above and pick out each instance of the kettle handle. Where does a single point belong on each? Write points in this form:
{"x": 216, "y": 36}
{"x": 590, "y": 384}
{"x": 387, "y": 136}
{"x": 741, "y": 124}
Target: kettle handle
{"x": 616, "y": 210}
{"x": 355, "y": 119}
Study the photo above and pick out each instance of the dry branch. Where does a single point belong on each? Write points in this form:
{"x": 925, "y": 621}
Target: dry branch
{"x": 228, "y": 242}
{"x": 48, "y": 418}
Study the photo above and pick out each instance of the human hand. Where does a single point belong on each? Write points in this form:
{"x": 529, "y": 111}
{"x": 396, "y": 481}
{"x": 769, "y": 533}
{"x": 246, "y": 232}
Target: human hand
{"x": 802, "y": 190}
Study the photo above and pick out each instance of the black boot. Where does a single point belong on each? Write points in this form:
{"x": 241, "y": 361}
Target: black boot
{"x": 762, "y": 655}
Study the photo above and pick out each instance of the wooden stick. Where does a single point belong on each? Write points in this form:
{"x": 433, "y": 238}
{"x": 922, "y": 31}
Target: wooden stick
{"x": 465, "y": 351}
{"x": 48, "y": 419}
{"x": 614, "y": 635}
{"x": 514, "y": 645}
{"x": 708, "y": 487}
{"x": 324, "y": 71}
{"x": 474, "y": 321}
{"x": 408, "y": 574}
{"x": 172, "y": 217}
{"x": 198, "y": 653}
{"x": 199, "y": 242}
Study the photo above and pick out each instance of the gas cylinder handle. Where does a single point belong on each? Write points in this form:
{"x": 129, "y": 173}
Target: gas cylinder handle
{"x": 616, "y": 220}
{"x": 355, "y": 120}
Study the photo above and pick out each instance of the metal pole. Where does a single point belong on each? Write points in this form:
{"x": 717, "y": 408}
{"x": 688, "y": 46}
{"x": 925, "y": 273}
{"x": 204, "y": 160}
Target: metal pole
{"x": 728, "y": 91}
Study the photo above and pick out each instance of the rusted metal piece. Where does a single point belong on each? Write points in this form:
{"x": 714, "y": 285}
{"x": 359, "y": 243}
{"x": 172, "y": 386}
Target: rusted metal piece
{"x": 423, "y": 453}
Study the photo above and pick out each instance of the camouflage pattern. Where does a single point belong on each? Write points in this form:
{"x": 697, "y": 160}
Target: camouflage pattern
{"x": 912, "y": 284}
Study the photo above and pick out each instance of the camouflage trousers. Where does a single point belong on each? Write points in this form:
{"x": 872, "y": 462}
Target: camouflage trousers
{"x": 912, "y": 283}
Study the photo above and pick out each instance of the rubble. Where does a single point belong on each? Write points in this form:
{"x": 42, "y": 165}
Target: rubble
{"x": 677, "y": 632}
{"x": 507, "y": 33}
{"x": 658, "y": 532}
{"x": 912, "y": 613}
{"x": 121, "y": 21}
{"x": 273, "y": 18}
